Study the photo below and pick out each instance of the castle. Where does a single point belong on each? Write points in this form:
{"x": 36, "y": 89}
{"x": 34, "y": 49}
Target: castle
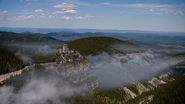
{"x": 68, "y": 55}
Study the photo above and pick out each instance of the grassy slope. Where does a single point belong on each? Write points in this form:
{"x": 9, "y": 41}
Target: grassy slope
{"x": 8, "y": 61}
{"x": 96, "y": 45}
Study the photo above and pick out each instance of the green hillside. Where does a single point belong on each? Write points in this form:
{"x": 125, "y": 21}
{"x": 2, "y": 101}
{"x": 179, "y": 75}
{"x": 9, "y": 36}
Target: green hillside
{"x": 10, "y": 37}
{"x": 96, "y": 45}
{"x": 172, "y": 93}
{"x": 8, "y": 61}
{"x": 45, "y": 59}
{"x": 27, "y": 43}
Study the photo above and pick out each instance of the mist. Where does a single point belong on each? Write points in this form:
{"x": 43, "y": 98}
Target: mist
{"x": 35, "y": 49}
{"x": 41, "y": 89}
{"x": 25, "y": 58}
{"x": 112, "y": 71}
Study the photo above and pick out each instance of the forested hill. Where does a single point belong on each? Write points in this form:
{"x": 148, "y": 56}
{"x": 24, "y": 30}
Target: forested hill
{"x": 96, "y": 45}
{"x": 32, "y": 45}
{"x": 173, "y": 93}
{"x": 9, "y": 62}
{"x": 7, "y": 39}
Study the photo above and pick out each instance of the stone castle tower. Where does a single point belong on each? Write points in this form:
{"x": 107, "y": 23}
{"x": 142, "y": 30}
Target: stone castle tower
{"x": 65, "y": 48}
{"x": 60, "y": 50}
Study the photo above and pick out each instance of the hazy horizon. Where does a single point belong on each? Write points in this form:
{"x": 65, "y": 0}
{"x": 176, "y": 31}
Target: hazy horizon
{"x": 77, "y": 30}
{"x": 142, "y": 15}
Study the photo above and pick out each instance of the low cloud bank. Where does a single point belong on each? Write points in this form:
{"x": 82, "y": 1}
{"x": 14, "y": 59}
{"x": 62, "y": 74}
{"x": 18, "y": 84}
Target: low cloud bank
{"x": 40, "y": 90}
{"x": 115, "y": 71}
{"x": 36, "y": 48}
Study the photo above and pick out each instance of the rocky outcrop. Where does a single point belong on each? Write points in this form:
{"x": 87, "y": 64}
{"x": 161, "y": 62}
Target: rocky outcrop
{"x": 141, "y": 88}
{"x": 8, "y": 75}
{"x": 80, "y": 73}
{"x": 156, "y": 82}
{"x": 129, "y": 92}
{"x": 147, "y": 99}
{"x": 163, "y": 75}
{"x": 48, "y": 64}
{"x": 75, "y": 67}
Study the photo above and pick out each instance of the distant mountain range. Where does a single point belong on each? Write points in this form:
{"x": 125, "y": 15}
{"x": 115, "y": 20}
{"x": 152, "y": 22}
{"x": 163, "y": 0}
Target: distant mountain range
{"x": 48, "y": 30}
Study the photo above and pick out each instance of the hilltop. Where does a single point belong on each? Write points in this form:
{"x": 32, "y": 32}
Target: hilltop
{"x": 9, "y": 61}
{"x": 97, "y": 45}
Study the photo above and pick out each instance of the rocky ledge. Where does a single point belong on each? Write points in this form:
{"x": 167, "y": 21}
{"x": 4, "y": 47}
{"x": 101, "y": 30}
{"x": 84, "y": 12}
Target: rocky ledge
{"x": 75, "y": 68}
{"x": 79, "y": 72}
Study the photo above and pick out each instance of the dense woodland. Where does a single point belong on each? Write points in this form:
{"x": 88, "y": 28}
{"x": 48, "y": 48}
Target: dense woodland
{"x": 96, "y": 45}
{"x": 44, "y": 59}
{"x": 9, "y": 61}
{"x": 172, "y": 93}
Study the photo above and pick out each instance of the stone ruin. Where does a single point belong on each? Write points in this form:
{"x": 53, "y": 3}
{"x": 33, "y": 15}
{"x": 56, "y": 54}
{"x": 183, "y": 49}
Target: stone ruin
{"x": 75, "y": 68}
{"x": 68, "y": 55}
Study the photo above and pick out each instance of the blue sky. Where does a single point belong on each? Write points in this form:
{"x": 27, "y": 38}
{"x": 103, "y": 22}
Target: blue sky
{"x": 148, "y": 15}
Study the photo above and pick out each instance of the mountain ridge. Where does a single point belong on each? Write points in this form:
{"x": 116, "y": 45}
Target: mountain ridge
{"x": 96, "y": 45}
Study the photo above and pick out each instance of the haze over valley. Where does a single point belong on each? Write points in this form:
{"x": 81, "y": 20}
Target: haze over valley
{"x": 92, "y": 52}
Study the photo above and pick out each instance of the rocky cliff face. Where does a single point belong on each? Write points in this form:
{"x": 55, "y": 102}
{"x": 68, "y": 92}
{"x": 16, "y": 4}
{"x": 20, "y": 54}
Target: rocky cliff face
{"x": 79, "y": 72}
{"x": 8, "y": 75}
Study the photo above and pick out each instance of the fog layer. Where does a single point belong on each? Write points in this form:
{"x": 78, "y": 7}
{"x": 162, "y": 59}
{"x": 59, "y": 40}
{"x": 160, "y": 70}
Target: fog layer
{"x": 113, "y": 71}
{"x": 39, "y": 90}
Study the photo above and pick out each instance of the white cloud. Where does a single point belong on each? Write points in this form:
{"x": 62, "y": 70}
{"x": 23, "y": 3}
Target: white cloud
{"x": 28, "y": 0}
{"x": 66, "y": 17}
{"x": 32, "y": 17}
{"x": 106, "y": 3}
{"x": 20, "y": 0}
{"x": 120, "y": 13}
{"x": 139, "y": 5}
{"x": 24, "y": 10}
{"x": 152, "y": 10}
{"x": 181, "y": 12}
{"x": 64, "y": 7}
{"x": 80, "y": 17}
{"x": 4, "y": 12}
{"x": 28, "y": 4}
{"x": 88, "y": 16}
{"x": 167, "y": 12}
{"x": 41, "y": 90}
{"x": 67, "y": 12}
{"x": 178, "y": 13}
{"x": 39, "y": 10}
{"x": 155, "y": 7}
{"x": 112, "y": 72}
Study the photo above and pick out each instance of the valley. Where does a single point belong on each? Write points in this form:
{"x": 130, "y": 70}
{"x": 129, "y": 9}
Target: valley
{"x": 92, "y": 52}
{"x": 106, "y": 70}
